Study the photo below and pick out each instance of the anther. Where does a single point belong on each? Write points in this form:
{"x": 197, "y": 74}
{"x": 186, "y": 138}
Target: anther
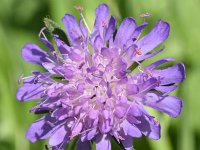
{"x": 104, "y": 23}
{"x": 20, "y": 78}
{"x": 145, "y": 15}
{"x": 138, "y": 51}
{"x": 79, "y": 8}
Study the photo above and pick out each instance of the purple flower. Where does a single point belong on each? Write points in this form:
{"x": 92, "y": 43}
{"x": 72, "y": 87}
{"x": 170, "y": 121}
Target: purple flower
{"x": 89, "y": 90}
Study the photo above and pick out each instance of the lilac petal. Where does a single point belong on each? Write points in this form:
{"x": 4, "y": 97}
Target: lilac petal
{"x": 30, "y": 91}
{"x": 149, "y": 55}
{"x": 84, "y": 30}
{"x": 128, "y": 143}
{"x": 73, "y": 30}
{"x": 125, "y": 32}
{"x": 74, "y": 56}
{"x": 174, "y": 74}
{"x": 60, "y": 113}
{"x": 135, "y": 110}
{"x": 105, "y": 122}
{"x": 32, "y": 53}
{"x": 130, "y": 129}
{"x": 51, "y": 102}
{"x": 148, "y": 85}
{"x": 166, "y": 89}
{"x": 170, "y": 105}
{"x": 120, "y": 111}
{"x": 103, "y": 142}
{"x": 159, "y": 62}
{"x": 109, "y": 53}
{"x": 149, "y": 127}
{"x": 93, "y": 114}
{"x": 48, "y": 44}
{"x": 58, "y": 136}
{"x": 101, "y": 21}
{"x": 157, "y": 35}
{"x": 83, "y": 145}
{"x": 91, "y": 134}
{"x": 49, "y": 67}
{"x": 77, "y": 129}
{"x": 62, "y": 47}
{"x": 129, "y": 54}
{"x": 40, "y": 129}
{"x": 132, "y": 89}
{"x": 98, "y": 44}
{"x": 138, "y": 30}
{"x": 111, "y": 28}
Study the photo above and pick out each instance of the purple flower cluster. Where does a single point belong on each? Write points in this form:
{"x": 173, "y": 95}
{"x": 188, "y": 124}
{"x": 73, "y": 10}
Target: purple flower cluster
{"x": 89, "y": 90}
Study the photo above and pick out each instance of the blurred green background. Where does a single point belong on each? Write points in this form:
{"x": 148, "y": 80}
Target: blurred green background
{"x": 21, "y": 21}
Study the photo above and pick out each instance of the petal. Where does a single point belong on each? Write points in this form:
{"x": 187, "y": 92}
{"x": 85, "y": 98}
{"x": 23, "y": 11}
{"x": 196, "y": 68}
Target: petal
{"x": 103, "y": 142}
{"x": 101, "y": 21}
{"x": 75, "y": 56}
{"x": 132, "y": 89}
{"x": 48, "y": 44}
{"x": 34, "y": 54}
{"x": 157, "y": 35}
{"x": 166, "y": 89}
{"x": 58, "y": 136}
{"x": 128, "y": 143}
{"x": 170, "y": 105}
{"x": 159, "y": 62}
{"x": 83, "y": 145}
{"x": 62, "y": 47}
{"x": 98, "y": 44}
{"x": 120, "y": 111}
{"x": 60, "y": 113}
{"x": 49, "y": 67}
{"x": 143, "y": 57}
{"x": 148, "y": 85}
{"x": 30, "y": 91}
{"x": 170, "y": 75}
{"x": 130, "y": 129}
{"x": 149, "y": 127}
{"x": 109, "y": 53}
{"x": 73, "y": 30}
{"x": 83, "y": 29}
{"x": 111, "y": 28}
{"x": 138, "y": 30}
{"x": 40, "y": 129}
{"x": 125, "y": 32}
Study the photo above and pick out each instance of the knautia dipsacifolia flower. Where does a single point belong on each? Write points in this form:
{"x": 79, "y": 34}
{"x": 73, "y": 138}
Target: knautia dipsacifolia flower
{"x": 98, "y": 95}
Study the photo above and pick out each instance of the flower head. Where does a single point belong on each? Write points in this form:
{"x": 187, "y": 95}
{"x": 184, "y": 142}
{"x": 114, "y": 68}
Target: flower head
{"x": 89, "y": 89}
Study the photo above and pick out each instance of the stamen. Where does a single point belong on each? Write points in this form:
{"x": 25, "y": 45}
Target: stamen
{"x": 21, "y": 78}
{"x": 121, "y": 138}
{"x": 82, "y": 132}
{"x": 50, "y": 60}
{"x": 85, "y": 23}
{"x": 42, "y": 33}
{"x": 51, "y": 124}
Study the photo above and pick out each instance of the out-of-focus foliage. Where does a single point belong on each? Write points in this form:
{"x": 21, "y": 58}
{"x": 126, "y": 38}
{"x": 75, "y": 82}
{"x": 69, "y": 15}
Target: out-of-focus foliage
{"x": 21, "y": 20}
